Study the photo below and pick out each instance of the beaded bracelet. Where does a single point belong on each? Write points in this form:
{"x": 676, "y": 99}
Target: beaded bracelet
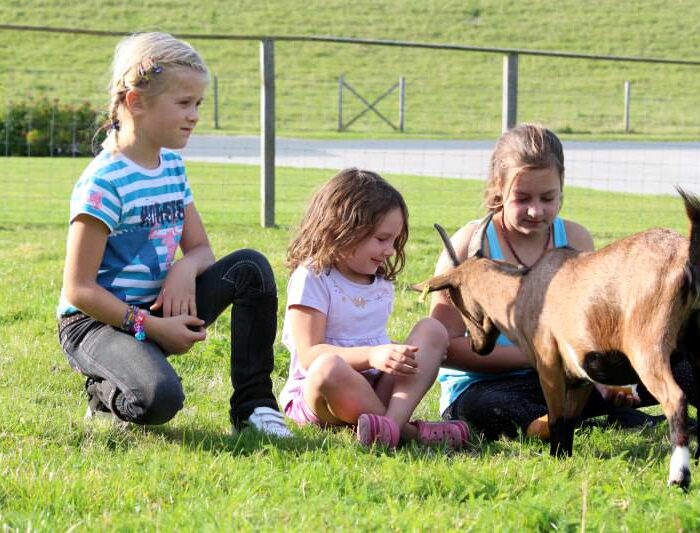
{"x": 129, "y": 317}
{"x": 139, "y": 328}
{"x": 133, "y": 322}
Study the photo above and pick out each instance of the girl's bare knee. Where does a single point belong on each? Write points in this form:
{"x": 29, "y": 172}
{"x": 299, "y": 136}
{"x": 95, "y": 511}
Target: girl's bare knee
{"x": 430, "y": 333}
{"x": 328, "y": 370}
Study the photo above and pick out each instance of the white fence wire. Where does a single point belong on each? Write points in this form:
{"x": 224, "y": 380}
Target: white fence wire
{"x": 459, "y": 99}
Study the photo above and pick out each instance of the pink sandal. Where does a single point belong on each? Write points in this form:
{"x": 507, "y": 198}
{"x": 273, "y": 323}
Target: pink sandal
{"x": 377, "y": 429}
{"x": 454, "y": 433}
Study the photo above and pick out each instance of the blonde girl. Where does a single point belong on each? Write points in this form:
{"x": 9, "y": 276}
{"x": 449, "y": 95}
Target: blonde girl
{"x": 344, "y": 370}
{"x": 126, "y": 304}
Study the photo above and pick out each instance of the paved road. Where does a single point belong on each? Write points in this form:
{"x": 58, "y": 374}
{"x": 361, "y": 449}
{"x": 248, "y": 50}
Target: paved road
{"x": 642, "y": 167}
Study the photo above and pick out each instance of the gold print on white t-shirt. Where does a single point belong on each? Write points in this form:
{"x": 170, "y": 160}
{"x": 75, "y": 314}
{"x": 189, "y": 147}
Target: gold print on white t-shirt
{"x": 359, "y": 301}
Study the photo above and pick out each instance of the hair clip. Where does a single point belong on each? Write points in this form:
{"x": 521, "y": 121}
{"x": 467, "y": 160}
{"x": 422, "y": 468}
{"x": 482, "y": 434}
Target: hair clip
{"x": 115, "y": 125}
{"x": 146, "y": 68}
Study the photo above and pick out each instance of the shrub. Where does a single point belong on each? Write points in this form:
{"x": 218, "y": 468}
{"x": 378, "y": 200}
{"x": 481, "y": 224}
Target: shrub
{"x": 48, "y": 128}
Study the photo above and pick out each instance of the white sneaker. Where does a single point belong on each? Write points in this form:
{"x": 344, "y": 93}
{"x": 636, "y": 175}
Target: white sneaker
{"x": 269, "y": 422}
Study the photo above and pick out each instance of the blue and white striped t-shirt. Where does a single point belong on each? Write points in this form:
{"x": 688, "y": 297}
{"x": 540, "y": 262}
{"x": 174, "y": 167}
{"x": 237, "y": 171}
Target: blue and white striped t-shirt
{"x": 144, "y": 210}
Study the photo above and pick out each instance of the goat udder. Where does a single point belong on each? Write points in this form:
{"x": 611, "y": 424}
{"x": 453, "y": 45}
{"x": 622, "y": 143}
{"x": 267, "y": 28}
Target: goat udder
{"x": 610, "y": 368}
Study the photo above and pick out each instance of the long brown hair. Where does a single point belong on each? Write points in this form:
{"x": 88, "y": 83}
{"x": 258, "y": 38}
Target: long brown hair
{"x": 527, "y": 146}
{"x": 341, "y": 214}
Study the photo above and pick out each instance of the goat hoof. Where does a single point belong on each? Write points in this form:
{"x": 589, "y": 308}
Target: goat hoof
{"x": 560, "y": 452}
{"x": 681, "y": 479}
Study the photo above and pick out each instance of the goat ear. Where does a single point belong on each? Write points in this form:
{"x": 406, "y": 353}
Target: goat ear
{"x": 436, "y": 283}
{"x": 427, "y": 286}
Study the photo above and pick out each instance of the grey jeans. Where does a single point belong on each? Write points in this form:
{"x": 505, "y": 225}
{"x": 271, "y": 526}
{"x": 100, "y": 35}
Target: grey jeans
{"x": 134, "y": 379}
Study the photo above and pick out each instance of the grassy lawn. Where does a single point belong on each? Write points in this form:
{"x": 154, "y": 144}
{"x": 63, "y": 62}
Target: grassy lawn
{"x": 57, "y": 474}
{"x": 448, "y": 93}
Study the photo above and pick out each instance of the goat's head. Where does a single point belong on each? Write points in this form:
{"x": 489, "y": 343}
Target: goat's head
{"x": 482, "y": 331}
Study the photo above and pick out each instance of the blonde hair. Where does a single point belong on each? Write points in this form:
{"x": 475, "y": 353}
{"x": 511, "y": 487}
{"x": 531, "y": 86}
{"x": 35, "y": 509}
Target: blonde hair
{"x": 342, "y": 213}
{"x": 145, "y": 63}
{"x": 527, "y": 146}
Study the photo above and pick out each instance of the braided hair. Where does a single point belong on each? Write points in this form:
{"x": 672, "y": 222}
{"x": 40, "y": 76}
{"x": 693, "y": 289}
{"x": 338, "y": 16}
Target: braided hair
{"x": 143, "y": 62}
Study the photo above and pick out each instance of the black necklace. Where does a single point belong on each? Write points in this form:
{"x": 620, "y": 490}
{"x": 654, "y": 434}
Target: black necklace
{"x": 512, "y": 250}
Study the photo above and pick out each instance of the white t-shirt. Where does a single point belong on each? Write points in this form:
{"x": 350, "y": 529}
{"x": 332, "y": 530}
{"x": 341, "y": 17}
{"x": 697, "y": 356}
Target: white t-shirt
{"x": 356, "y": 315}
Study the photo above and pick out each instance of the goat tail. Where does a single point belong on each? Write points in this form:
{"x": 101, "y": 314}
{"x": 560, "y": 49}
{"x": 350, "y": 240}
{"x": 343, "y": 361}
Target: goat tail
{"x": 448, "y": 244}
{"x": 692, "y": 209}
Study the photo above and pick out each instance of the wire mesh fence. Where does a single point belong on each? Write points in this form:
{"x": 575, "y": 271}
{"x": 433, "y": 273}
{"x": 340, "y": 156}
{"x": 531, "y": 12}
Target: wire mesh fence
{"x": 458, "y": 97}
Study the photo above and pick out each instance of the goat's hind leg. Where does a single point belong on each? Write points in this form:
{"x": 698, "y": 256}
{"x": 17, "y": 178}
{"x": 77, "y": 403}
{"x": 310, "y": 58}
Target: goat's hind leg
{"x": 654, "y": 370}
{"x": 689, "y": 347}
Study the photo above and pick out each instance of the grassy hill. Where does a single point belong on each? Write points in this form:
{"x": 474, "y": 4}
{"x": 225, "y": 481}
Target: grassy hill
{"x": 448, "y": 92}
{"x": 59, "y": 474}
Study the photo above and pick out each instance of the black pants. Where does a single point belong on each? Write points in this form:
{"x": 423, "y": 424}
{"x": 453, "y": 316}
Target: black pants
{"x": 135, "y": 380}
{"x": 508, "y": 405}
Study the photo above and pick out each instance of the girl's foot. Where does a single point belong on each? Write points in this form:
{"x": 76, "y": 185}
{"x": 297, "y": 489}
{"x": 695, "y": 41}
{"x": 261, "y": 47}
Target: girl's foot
{"x": 454, "y": 433}
{"x": 539, "y": 428}
{"x": 269, "y": 422}
{"x": 377, "y": 429}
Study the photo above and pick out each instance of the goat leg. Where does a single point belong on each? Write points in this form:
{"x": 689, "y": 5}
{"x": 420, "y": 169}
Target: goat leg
{"x": 561, "y": 437}
{"x": 690, "y": 347}
{"x": 562, "y": 431}
{"x": 561, "y": 428}
{"x": 654, "y": 370}
{"x": 696, "y": 372}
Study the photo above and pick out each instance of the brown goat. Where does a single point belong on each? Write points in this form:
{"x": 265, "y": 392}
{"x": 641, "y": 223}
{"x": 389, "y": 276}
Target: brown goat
{"x": 613, "y": 316}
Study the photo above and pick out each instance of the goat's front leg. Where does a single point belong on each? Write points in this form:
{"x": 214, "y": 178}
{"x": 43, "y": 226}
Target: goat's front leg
{"x": 654, "y": 371}
{"x": 574, "y": 402}
{"x": 561, "y": 428}
{"x": 576, "y": 399}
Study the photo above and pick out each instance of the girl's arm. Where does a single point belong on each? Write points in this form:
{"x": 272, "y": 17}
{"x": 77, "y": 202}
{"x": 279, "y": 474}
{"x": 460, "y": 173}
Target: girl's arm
{"x": 87, "y": 238}
{"x": 178, "y": 295}
{"x": 459, "y": 352}
{"x": 308, "y": 327}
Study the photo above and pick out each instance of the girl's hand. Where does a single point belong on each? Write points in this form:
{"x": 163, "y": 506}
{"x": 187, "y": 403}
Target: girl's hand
{"x": 178, "y": 295}
{"x": 625, "y": 396}
{"x": 396, "y": 359}
{"x": 175, "y": 334}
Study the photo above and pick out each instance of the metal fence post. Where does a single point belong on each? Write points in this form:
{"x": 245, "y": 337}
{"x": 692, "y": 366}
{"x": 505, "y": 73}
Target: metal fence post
{"x": 26, "y": 137}
{"x": 340, "y": 102}
{"x": 267, "y": 133}
{"x": 402, "y": 102}
{"x": 509, "y": 111}
{"x": 51, "y": 128}
{"x": 216, "y": 102}
{"x": 74, "y": 136}
{"x": 8, "y": 124}
{"x": 627, "y": 106}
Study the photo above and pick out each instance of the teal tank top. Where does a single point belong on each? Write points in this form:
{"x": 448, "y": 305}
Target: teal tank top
{"x": 455, "y": 382}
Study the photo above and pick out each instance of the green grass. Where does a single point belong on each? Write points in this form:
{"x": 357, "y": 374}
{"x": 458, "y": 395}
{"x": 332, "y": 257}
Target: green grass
{"x": 449, "y": 94}
{"x": 56, "y": 474}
